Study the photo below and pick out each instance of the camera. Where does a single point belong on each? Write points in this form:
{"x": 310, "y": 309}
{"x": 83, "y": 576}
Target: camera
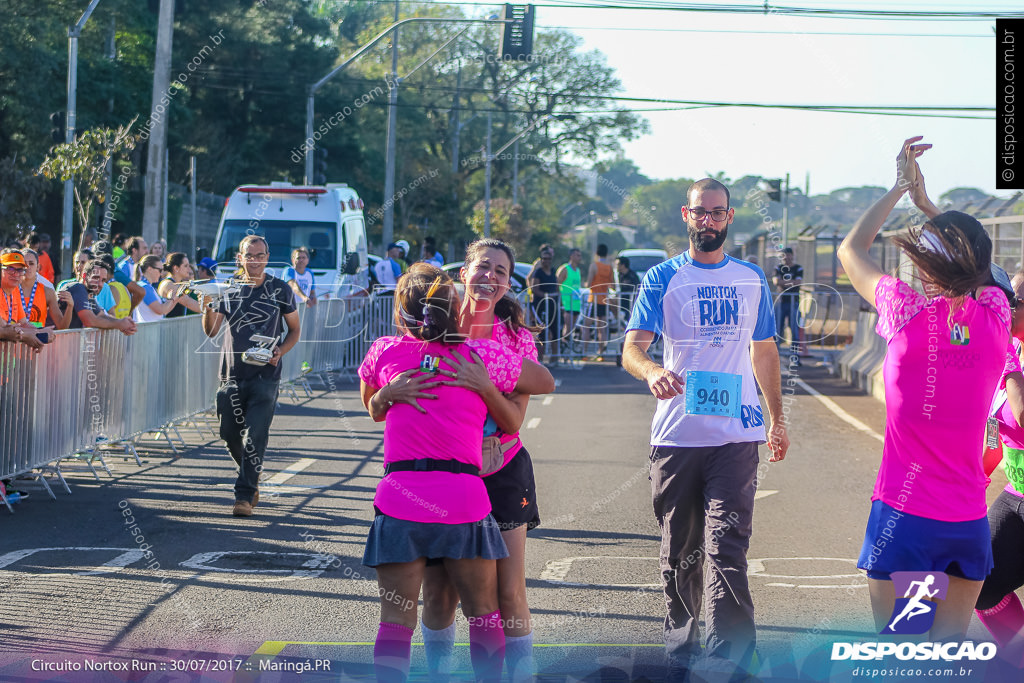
{"x": 262, "y": 352}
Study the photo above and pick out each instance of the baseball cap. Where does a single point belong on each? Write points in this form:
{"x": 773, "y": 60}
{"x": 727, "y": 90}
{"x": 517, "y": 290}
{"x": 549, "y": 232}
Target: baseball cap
{"x": 403, "y": 245}
{"x": 207, "y": 262}
{"x": 13, "y": 259}
{"x": 393, "y": 245}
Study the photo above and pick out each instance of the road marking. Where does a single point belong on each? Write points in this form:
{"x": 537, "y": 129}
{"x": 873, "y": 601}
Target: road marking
{"x": 532, "y": 424}
{"x": 290, "y": 471}
{"x": 547, "y": 400}
{"x": 763, "y": 494}
{"x": 555, "y": 571}
{"x": 126, "y": 557}
{"x": 313, "y": 565}
{"x": 839, "y": 412}
{"x": 271, "y": 490}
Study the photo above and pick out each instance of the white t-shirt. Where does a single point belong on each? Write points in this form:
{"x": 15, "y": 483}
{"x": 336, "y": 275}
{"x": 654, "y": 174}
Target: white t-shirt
{"x": 43, "y": 281}
{"x": 303, "y": 280}
{"x": 708, "y": 315}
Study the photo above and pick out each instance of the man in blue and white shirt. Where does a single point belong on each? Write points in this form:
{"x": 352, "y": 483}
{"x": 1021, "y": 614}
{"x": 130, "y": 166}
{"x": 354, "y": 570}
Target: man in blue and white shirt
{"x": 715, "y": 314}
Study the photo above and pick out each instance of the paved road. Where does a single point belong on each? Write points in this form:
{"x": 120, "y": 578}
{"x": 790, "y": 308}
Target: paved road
{"x": 270, "y": 593}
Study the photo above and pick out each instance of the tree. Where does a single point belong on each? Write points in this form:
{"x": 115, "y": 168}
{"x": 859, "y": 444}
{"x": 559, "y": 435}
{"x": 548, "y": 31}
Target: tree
{"x": 19, "y": 193}
{"x": 87, "y": 159}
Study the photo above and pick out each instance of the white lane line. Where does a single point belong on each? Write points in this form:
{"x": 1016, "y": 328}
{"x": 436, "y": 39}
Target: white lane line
{"x": 532, "y": 424}
{"x": 547, "y": 400}
{"x": 763, "y": 494}
{"x": 290, "y": 471}
{"x": 839, "y": 412}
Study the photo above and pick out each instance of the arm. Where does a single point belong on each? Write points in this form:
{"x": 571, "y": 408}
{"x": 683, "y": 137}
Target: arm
{"x": 764, "y": 357}
{"x": 16, "y": 333}
{"x": 920, "y": 196}
{"x": 299, "y": 296}
{"x": 508, "y": 412}
{"x": 854, "y": 251}
{"x": 405, "y": 388}
{"x": 1015, "y": 395}
{"x": 61, "y": 315}
{"x": 561, "y": 273}
{"x": 369, "y": 394}
{"x": 662, "y": 383}
{"x": 163, "y": 307}
{"x": 137, "y": 293}
{"x": 591, "y": 273}
{"x": 211, "y": 322}
{"x": 103, "y": 321}
{"x": 290, "y": 340}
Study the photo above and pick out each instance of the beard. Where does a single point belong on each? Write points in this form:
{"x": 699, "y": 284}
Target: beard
{"x": 706, "y": 243}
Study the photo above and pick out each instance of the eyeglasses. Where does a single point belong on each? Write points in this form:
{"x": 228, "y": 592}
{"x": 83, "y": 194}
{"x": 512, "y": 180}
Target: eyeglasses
{"x": 16, "y": 271}
{"x": 717, "y": 215}
{"x": 255, "y": 257}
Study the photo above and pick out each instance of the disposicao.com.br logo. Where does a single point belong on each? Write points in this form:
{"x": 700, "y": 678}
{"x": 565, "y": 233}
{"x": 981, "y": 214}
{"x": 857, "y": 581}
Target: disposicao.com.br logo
{"x": 914, "y": 614}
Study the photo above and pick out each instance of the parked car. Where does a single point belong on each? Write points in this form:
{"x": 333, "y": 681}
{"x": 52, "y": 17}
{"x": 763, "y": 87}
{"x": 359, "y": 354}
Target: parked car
{"x": 517, "y": 279}
{"x": 642, "y": 260}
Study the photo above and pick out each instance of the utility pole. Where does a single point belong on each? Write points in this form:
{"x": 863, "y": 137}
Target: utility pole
{"x": 392, "y": 143}
{"x": 152, "y": 210}
{"x": 69, "y": 132}
{"x": 487, "y": 181}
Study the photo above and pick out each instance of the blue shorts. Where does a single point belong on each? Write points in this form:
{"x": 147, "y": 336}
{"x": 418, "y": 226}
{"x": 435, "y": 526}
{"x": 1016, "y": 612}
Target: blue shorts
{"x": 899, "y": 542}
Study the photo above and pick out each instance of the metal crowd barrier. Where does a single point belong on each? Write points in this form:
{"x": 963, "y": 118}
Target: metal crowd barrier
{"x": 90, "y": 387}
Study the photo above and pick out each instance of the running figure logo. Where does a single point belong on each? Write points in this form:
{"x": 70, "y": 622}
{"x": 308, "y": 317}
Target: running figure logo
{"x": 913, "y": 613}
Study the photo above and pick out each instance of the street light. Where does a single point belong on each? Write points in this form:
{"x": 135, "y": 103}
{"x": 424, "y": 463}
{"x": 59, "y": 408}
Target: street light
{"x": 69, "y": 132}
{"x": 389, "y": 178}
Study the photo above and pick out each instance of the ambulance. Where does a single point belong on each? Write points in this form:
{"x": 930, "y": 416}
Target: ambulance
{"x": 326, "y": 219}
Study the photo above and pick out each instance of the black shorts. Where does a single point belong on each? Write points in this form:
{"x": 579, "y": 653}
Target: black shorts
{"x": 600, "y": 311}
{"x": 513, "y": 493}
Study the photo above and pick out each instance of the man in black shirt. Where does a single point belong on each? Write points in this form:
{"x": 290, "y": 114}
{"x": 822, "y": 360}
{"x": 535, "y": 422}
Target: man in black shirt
{"x": 248, "y": 393}
{"x": 788, "y": 278}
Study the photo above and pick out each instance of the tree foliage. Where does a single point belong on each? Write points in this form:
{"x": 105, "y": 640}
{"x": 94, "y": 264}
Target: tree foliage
{"x": 88, "y": 160}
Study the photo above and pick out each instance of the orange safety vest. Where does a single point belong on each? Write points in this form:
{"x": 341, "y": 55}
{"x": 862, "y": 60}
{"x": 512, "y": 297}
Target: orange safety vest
{"x": 11, "y": 309}
{"x": 37, "y": 308}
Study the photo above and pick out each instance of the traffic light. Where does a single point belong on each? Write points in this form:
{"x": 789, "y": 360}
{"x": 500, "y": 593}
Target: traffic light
{"x": 774, "y": 190}
{"x": 320, "y": 173}
{"x": 517, "y": 38}
{"x": 59, "y": 124}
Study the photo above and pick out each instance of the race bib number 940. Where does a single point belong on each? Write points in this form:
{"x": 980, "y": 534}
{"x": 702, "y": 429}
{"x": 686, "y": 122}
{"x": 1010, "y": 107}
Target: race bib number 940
{"x": 713, "y": 393}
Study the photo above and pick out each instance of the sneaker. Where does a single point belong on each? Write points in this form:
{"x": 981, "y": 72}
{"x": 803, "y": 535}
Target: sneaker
{"x": 242, "y": 508}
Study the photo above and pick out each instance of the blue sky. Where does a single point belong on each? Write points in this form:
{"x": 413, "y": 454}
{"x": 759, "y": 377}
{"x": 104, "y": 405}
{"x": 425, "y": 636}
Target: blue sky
{"x": 796, "y": 60}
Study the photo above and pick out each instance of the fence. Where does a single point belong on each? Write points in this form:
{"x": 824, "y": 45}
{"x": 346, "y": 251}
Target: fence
{"x": 98, "y": 385}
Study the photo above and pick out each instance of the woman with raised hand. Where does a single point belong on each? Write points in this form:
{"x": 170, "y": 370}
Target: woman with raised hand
{"x": 432, "y": 505}
{"x": 179, "y": 271}
{"x": 947, "y": 352}
{"x": 153, "y": 306}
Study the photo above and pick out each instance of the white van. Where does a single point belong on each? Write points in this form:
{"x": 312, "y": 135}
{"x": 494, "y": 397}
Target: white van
{"x": 327, "y": 220}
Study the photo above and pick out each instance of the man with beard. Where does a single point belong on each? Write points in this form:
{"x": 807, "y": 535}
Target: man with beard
{"x": 87, "y": 312}
{"x": 715, "y": 314}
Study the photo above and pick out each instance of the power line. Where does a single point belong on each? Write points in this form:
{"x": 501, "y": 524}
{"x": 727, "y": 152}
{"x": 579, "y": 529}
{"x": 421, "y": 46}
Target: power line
{"x": 764, "y": 9}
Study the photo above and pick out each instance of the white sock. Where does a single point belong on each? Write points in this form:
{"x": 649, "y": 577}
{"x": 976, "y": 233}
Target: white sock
{"x": 519, "y": 658}
{"x": 439, "y": 646}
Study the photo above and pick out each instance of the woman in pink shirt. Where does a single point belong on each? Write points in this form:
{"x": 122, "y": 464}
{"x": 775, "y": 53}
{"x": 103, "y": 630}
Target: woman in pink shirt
{"x": 998, "y": 606}
{"x": 489, "y": 312}
{"x": 946, "y": 355}
{"x": 432, "y": 505}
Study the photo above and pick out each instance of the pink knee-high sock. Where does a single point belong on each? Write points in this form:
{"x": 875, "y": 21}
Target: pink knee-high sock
{"x": 392, "y": 652}
{"x": 487, "y": 646}
{"x": 1005, "y": 620}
